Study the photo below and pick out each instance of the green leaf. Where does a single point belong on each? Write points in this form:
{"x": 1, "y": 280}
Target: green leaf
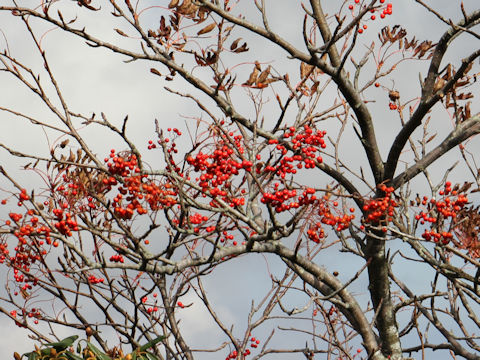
{"x": 150, "y": 356}
{"x": 79, "y": 348}
{"x": 65, "y": 343}
{"x": 73, "y": 356}
{"x": 151, "y": 343}
{"x": 32, "y": 356}
{"x": 100, "y": 355}
{"x": 144, "y": 356}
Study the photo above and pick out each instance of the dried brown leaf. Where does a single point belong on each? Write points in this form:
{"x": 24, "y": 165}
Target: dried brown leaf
{"x": 305, "y": 70}
{"x": 155, "y": 71}
{"x": 241, "y": 49}
{"x": 430, "y": 138}
{"x": 235, "y": 44}
{"x": 207, "y": 29}
{"x": 173, "y": 4}
{"x": 394, "y": 95}
{"x": 253, "y": 77}
{"x": 121, "y": 32}
{"x": 262, "y": 78}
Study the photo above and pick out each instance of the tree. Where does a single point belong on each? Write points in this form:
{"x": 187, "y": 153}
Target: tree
{"x": 281, "y": 162}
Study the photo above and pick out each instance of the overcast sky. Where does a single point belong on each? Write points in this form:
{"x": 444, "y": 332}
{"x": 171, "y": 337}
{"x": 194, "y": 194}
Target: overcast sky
{"x": 94, "y": 80}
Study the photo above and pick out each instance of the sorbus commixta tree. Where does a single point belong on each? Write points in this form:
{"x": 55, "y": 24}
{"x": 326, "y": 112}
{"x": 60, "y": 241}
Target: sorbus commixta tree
{"x": 326, "y": 145}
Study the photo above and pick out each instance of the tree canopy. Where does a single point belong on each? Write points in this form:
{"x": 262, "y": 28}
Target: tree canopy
{"x": 319, "y": 139}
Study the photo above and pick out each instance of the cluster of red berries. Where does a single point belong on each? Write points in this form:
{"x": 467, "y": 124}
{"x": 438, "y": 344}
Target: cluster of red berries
{"x": 33, "y": 313}
{"x": 380, "y": 210}
{"x": 32, "y": 234}
{"x": 153, "y": 307}
{"x": 173, "y": 147}
{"x": 219, "y": 167}
{"x": 135, "y": 187}
{"x": 64, "y": 225}
{"x": 92, "y": 279}
{"x": 15, "y": 217}
{"x": 23, "y": 196}
{"x": 226, "y": 237}
{"x": 169, "y": 148}
{"x": 278, "y": 199}
{"x": 197, "y": 219}
{"x": 29, "y": 250}
{"x": 440, "y": 211}
{"x": 254, "y": 342}
{"x": 117, "y": 258}
{"x": 123, "y": 171}
{"x": 307, "y": 146}
{"x": 339, "y": 222}
{"x": 316, "y": 232}
{"x": 384, "y": 11}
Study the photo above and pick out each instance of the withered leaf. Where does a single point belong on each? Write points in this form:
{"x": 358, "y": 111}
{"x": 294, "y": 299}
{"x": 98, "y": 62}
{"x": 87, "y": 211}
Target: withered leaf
{"x": 202, "y": 15}
{"x": 179, "y": 46}
{"x": 173, "y": 4}
{"x": 121, "y": 32}
{"x": 394, "y": 95}
{"x": 155, "y": 71}
{"x": 64, "y": 143}
{"x": 272, "y": 79}
{"x": 242, "y": 48}
{"x": 467, "y": 111}
{"x": 464, "y": 96}
{"x": 85, "y": 158}
{"x": 86, "y": 3}
{"x": 207, "y": 29}
{"x": 71, "y": 157}
{"x": 438, "y": 85}
{"x": 235, "y": 44}
{"x": 253, "y": 77}
{"x": 262, "y": 78}
{"x": 79, "y": 155}
{"x": 465, "y": 187}
{"x": 430, "y": 138}
{"x": 305, "y": 70}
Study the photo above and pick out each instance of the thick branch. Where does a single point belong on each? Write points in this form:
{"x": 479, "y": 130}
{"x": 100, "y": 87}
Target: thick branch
{"x": 429, "y": 96}
{"x": 465, "y": 130}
